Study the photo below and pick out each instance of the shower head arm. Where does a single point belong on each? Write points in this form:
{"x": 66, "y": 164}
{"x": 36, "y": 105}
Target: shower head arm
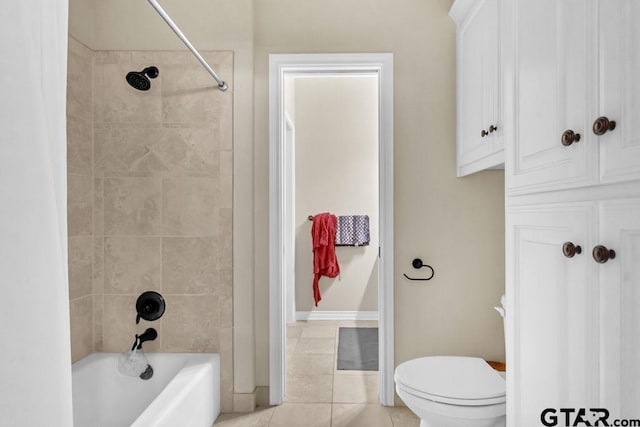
{"x": 221, "y": 84}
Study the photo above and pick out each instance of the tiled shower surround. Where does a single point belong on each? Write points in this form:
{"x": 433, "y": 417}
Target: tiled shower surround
{"x": 150, "y": 203}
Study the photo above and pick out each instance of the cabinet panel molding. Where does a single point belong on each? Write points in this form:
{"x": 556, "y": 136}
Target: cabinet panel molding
{"x": 480, "y": 126}
{"x": 553, "y": 300}
{"x": 620, "y": 298}
{"x": 553, "y": 91}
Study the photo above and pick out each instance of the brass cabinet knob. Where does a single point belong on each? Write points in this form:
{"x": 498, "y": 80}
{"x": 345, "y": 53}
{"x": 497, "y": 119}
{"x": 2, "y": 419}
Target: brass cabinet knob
{"x": 569, "y": 137}
{"x": 602, "y": 125}
{"x": 601, "y": 254}
{"x": 570, "y": 250}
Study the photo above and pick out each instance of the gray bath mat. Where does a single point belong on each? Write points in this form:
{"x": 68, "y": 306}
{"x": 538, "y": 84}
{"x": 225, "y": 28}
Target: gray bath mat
{"x": 358, "y": 349}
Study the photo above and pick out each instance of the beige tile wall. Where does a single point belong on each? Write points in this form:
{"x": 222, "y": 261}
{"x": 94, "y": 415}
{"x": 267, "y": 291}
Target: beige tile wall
{"x": 80, "y": 197}
{"x": 152, "y": 208}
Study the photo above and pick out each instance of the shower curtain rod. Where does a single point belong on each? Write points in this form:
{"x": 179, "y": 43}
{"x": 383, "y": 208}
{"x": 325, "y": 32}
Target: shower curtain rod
{"x": 221, "y": 85}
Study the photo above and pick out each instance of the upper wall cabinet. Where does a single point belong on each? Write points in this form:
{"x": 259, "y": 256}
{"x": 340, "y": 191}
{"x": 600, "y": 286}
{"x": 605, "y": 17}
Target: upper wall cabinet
{"x": 480, "y": 129}
{"x": 573, "y": 94}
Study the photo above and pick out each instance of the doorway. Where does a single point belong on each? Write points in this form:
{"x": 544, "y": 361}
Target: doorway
{"x": 378, "y": 68}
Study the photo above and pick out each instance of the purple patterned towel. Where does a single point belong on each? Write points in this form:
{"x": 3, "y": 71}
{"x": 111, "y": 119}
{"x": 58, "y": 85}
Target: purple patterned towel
{"x": 353, "y": 230}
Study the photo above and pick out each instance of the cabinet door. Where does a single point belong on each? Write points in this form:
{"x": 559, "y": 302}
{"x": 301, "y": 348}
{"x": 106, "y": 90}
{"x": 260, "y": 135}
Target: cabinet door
{"x": 553, "y": 86}
{"x": 620, "y": 302}
{"x": 551, "y": 303}
{"x": 471, "y": 99}
{"x": 619, "y": 50}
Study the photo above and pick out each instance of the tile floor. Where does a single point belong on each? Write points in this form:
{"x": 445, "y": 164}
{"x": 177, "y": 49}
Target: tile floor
{"x": 318, "y": 395}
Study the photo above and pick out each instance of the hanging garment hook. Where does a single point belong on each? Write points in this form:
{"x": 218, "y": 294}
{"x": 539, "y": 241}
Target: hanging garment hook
{"x": 418, "y": 264}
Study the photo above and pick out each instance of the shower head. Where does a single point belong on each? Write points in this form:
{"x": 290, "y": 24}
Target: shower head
{"x": 140, "y": 79}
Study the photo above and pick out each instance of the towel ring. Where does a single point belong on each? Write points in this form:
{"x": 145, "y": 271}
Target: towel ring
{"x": 418, "y": 264}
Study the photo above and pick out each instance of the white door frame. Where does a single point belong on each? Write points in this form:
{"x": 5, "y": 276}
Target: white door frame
{"x": 289, "y": 213}
{"x": 279, "y": 66}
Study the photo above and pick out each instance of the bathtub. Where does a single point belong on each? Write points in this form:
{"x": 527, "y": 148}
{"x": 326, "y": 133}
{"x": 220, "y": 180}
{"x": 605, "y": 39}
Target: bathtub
{"x": 184, "y": 391}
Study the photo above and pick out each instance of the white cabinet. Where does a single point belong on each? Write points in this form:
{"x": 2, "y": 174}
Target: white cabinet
{"x": 620, "y": 301}
{"x": 571, "y": 68}
{"x": 553, "y": 353}
{"x": 575, "y": 336}
{"x": 571, "y": 63}
{"x": 479, "y": 112}
{"x": 551, "y": 74}
{"x": 619, "y": 89}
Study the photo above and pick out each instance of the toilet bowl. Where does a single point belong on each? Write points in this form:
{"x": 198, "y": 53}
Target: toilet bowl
{"x": 452, "y": 391}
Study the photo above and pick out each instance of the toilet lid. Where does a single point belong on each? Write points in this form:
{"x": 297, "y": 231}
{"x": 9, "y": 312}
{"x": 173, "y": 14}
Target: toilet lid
{"x": 452, "y": 378}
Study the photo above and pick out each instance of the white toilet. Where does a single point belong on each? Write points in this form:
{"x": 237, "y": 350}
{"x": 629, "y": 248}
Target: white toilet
{"x": 452, "y": 391}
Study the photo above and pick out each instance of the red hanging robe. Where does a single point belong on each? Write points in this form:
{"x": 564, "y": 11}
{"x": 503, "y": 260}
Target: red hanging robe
{"x": 325, "y": 263}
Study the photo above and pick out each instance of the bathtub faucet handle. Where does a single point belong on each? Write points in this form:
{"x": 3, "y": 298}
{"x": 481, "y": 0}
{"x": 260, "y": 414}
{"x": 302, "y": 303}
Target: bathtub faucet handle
{"x": 150, "y": 306}
{"x": 149, "y": 335}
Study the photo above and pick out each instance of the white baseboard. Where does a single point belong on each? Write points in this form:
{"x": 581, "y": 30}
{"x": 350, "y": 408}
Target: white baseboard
{"x": 336, "y": 315}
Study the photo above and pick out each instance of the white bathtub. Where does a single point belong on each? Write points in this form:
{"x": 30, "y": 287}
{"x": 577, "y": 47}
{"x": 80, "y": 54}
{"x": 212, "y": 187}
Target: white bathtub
{"x": 184, "y": 391}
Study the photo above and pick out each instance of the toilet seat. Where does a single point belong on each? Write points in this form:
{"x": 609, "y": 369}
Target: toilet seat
{"x": 454, "y": 380}
{"x": 450, "y": 400}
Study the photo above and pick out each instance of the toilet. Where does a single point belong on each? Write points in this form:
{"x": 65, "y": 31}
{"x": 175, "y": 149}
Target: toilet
{"x": 452, "y": 391}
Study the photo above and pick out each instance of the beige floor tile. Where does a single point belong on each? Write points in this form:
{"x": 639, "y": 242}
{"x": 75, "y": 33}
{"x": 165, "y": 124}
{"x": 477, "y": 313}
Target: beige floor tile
{"x": 311, "y": 364}
{"x": 350, "y": 415}
{"x": 295, "y": 329}
{"x": 403, "y": 417}
{"x": 259, "y": 418}
{"x": 309, "y": 388}
{"x": 291, "y": 344}
{"x": 354, "y": 323}
{"x": 356, "y": 373}
{"x": 302, "y": 415}
{"x": 291, "y": 349}
{"x": 313, "y": 331}
{"x": 367, "y": 323}
{"x": 355, "y": 389}
{"x": 316, "y": 345}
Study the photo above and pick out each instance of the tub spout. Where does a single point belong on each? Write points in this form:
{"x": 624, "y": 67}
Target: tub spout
{"x": 149, "y": 335}
{"x": 147, "y": 374}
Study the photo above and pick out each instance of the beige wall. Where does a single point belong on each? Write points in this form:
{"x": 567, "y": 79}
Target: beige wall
{"x": 456, "y": 225}
{"x": 82, "y": 19}
{"x": 337, "y": 171}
